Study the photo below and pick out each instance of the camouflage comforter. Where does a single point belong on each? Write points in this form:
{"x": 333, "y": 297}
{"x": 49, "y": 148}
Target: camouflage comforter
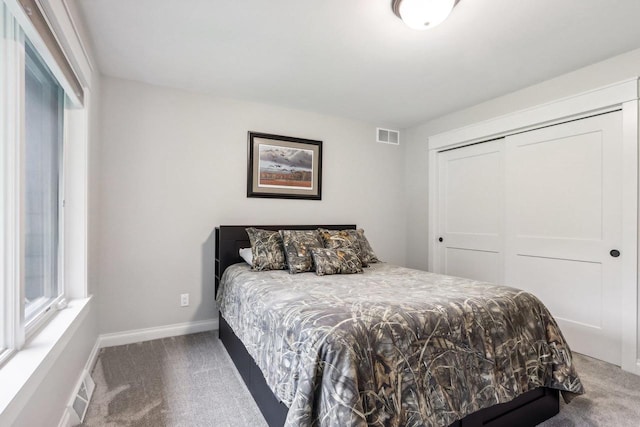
{"x": 393, "y": 346}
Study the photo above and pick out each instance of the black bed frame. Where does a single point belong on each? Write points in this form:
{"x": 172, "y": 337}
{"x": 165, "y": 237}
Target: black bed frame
{"x": 527, "y": 410}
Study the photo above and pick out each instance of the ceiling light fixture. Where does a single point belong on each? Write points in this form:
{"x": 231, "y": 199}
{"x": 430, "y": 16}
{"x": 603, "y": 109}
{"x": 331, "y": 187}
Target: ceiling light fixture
{"x": 422, "y": 14}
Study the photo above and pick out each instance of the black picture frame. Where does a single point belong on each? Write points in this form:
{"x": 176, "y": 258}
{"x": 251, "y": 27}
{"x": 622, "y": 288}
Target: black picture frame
{"x": 284, "y": 167}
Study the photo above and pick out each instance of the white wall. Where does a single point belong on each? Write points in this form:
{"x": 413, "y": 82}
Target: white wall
{"x": 93, "y": 188}
{"x": 613, "y": 70}
{"x": 173, "y": 166}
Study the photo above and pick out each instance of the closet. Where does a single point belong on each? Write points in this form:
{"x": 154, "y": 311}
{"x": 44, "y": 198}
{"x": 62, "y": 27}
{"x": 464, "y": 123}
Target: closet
{"x": 541, "y": 210}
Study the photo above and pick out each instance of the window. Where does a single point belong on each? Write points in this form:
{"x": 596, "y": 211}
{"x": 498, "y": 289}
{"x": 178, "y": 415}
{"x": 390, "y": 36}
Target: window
{"x": 38, "y": 113}
{"x": 44, "y": 113}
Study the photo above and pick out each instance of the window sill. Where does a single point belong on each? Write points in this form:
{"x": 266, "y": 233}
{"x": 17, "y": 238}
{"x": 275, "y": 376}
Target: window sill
{"x": 22, "y": 374}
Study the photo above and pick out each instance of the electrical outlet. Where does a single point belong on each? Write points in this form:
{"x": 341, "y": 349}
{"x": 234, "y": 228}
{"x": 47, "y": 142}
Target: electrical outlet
{"x": 184, "y": 300}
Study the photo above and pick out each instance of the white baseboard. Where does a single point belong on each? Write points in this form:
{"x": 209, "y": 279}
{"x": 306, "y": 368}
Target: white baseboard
{"x": 147, "y": 334}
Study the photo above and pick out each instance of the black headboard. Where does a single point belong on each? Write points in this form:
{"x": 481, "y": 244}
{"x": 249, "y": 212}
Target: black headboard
{"x": 230, "y": 238}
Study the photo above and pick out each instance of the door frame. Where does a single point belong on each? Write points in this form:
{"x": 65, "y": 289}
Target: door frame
{"x": 619, "y": 96}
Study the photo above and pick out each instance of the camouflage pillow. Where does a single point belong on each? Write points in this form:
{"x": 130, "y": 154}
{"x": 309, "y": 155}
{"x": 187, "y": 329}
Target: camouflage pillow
{"x": 297, "y": 248}
{"x": 267, "y": 250}
{"x": 367, "y": 254}
{"x": 336, "y": 261}
{"x": 342, "y": 239}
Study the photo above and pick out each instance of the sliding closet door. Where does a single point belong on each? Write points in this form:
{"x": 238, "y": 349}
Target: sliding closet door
{"x": 471, "y": 206}
{"x": 563, "y": 227}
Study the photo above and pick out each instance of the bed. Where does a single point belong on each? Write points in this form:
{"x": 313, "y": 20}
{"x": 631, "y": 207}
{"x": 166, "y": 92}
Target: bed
{"x": 359, "y": 384}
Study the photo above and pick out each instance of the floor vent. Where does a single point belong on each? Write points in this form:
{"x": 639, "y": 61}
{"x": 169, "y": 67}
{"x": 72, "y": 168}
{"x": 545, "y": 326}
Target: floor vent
{"x": 388, "y": 136}
{"x": 80, "y": 403}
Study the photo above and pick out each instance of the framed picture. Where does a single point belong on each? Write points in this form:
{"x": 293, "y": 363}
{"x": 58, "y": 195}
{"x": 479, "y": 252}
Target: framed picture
{"x": 284, "y": 167}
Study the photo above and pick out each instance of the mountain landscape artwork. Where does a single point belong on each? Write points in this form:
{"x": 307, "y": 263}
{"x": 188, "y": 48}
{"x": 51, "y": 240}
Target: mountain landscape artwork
{"x": 282, "y": 167}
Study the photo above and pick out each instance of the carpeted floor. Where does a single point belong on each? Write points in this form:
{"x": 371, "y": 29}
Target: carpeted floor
{"x": 185, "y": 381}
{"x": 190, "y": 381}
{"x": 612, "y": 397}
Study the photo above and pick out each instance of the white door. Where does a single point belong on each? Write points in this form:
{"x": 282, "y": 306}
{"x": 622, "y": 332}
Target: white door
{"x": 563, "y": 226}
{"x": 470, "y": 214}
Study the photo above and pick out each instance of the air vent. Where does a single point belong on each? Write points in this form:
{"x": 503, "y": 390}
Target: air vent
{"x": 78, "y": 408}
{"x": 388, "y": 136}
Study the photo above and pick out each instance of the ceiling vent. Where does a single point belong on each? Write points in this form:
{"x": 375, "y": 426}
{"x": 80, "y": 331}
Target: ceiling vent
{"x": 388, "y": 136}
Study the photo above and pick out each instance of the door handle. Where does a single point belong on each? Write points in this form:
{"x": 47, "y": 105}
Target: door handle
{"x": 440, "y": 239}
{"x": 614, "y": 253}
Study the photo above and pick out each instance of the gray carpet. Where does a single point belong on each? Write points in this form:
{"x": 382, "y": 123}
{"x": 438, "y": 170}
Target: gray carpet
{"x": 191, "y": 381}
{"x": 612, "y": 397}
{"x": 182, "y": 381}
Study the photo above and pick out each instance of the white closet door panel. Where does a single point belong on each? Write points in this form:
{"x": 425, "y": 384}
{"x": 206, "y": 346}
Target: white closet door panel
{"x": 471, "y": 207}
{"x": 556, "y": 280}
{"x": 559, "y": 183}
{"x": 563, "y": 216}
{"x": 479, "y": 265}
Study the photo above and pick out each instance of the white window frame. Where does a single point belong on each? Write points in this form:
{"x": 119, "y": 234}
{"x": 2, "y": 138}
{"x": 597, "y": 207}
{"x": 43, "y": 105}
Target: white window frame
{"x": 11, "y": 55}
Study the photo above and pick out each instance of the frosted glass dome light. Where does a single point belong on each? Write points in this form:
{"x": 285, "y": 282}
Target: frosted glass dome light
{"x": 422, "y": 14}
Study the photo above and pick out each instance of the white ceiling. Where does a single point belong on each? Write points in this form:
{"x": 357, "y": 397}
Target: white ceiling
{"x": 355, "y": 58}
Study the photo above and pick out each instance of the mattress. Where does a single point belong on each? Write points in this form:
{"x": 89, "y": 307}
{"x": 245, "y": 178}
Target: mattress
{"x": 393, "y": 346}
